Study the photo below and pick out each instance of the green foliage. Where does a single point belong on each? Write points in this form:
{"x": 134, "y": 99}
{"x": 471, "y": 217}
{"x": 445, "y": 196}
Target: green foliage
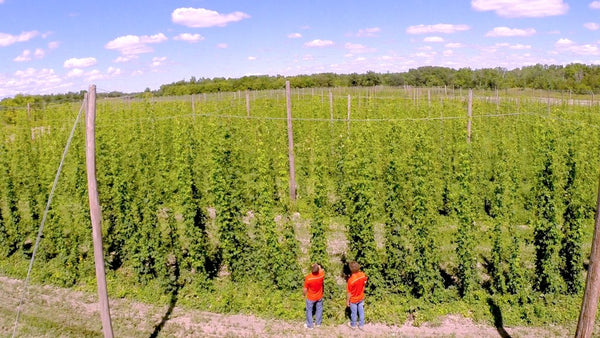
{"x": 228, "y": 199}
{"x": 547, "y": 236}
{"x": 359, "y": 197}
{"x": 465, "y": 241}
{"x": 318, "y": 229}
{"x": 571, "y": 246}
{"x": 198, "y": 203}
{"x": 423, "y": 220}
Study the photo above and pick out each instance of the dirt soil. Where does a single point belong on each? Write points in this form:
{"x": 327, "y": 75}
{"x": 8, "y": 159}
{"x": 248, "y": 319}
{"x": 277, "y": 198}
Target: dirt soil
{"x": 58, "y": 312}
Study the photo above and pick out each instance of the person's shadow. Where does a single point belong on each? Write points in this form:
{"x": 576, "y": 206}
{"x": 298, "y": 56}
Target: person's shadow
{"x": 174, "y": 287}
{"x": 498, "y": 322}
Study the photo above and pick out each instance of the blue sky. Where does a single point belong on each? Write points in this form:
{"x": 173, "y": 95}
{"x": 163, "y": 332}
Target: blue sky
{"x": 129, "y": 45}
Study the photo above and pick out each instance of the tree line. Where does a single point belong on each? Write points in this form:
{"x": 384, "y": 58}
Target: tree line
{"x": 576, "y": 77}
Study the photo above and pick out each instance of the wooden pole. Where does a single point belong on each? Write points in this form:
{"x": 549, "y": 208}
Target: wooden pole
{"x": 290, "y": 141}
{"x": 589, "y": 305}
{"x": 247, "y": 103}
{"x": 497, "y": 101}
{"x": 428, "y": 103}
{"x": 330, "y": 106}
{"x": 95, "y": 216}
{"x": 193, "y": 109}
{"x": 349, "y": 109}
{"x": 470, "y": 115}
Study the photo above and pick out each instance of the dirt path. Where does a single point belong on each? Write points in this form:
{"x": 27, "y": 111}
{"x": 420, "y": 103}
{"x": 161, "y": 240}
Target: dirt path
{"x": 53, "y": 312}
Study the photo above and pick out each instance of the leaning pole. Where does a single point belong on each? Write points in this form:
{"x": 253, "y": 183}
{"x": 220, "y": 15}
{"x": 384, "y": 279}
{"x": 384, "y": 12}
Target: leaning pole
{"x": 589, "y": 305}
{"x": 95, "y": 216}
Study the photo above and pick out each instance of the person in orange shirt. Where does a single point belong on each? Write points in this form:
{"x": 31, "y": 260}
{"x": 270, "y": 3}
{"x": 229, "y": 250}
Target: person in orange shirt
{"x": 356, "y": 295}
{"x": 313, "y": 291}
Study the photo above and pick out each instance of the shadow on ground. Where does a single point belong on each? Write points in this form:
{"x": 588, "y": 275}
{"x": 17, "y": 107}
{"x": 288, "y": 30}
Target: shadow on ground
{"x": 498, "y": 321}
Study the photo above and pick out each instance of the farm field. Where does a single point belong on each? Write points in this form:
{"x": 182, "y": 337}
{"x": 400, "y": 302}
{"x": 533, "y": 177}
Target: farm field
{"x": 197, "y": 211}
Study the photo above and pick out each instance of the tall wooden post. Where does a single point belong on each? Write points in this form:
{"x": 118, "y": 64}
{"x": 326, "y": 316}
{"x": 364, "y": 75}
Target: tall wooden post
{"x": 589, "y": 305}
{"x": 96, "y": 218}
{"x": 349, "y": 110}
{"x": 428, "y": 102}
{"x": 247, "y": 104}
{"x": 193, "y": 109}
{"x": 470, "y": 115}
{"x": 330, "y": 107}
{"x": 497, "y": 101}
{"x": 290, "y": 141}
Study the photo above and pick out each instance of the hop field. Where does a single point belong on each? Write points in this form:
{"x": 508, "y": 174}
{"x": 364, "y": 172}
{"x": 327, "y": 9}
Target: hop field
{"x": 196, "y": 204}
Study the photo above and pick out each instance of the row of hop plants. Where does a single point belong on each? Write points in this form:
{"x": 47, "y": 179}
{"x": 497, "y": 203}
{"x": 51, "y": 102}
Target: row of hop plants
{"x": 160, "y": 174}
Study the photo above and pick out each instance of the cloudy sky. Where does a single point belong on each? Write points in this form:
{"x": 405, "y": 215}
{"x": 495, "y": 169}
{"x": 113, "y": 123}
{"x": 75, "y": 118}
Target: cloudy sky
{"x": 128, "y": 45}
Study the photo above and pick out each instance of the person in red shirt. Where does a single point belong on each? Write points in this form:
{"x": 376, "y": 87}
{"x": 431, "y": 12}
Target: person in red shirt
{"x": 356, "y": 295}
{"x": 313, "y": 291}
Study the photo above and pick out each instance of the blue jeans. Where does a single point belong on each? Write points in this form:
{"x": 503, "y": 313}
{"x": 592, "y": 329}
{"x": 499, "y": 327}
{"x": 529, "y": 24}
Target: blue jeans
{"x": 354, "y": 308}
{"x": 310, "y": 304}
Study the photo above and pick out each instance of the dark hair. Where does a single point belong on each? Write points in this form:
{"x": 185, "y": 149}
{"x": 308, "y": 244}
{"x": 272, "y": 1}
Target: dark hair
{"x": 315, "y": 268}
{"x": 354, "y": 267}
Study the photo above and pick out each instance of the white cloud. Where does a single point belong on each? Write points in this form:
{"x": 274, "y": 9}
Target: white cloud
{"x": 8, "y": 39}
{"x": 591, "y": 26}
{"x": 357, "y": 48}
{"x": 595, "y": 5}
{"x": 95, "y": 74}
{"x": 564, "y": 42}
{"x": 133, "y": 44}
{"x": 506, "y": 31}
{"x": 294, "y": 36}
{"x": 522, "y": 8}
{"x": 222, "y": 45}
{"x": 76, "y": 72}
{"x": 31, "y": 80}
{"x": 433, "y": 39}
{"x": 80, "y": 63}
{"x": 454, "y": 45}
{"x": 158, "y": 61}
{"x": 53, "y": 44}
{"x": 189, "y": 37}
{"x": 424, "y": 55}
{"x": 519, "y": 46}
{"x": 438, "y": 28}
{"x": 112, "y": 71}
{"x": 319, "y": 43}
{"x": 566, "y": 45}
{"x": 125, "y": 58}
{"x": 368, "y": 32}
{"x": 24, "y": 56}
{"x": 251, "y": 58}
{"x": 448, "y": 52}
{"x": 202, "y": 17}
